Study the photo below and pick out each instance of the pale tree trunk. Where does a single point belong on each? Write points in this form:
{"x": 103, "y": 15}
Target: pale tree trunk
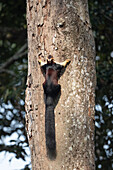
{"x": 62, "y": 28}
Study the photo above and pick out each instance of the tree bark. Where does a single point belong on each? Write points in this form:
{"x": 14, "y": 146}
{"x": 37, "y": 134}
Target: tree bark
{"x": 62, "y": 28}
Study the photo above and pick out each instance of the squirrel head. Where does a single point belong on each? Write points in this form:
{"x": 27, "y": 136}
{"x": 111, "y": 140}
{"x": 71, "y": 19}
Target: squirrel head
{"x": 50, "y": 59}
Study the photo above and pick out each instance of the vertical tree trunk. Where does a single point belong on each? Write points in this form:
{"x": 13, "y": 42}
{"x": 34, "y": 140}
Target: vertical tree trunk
{"x": 62, "y": 28}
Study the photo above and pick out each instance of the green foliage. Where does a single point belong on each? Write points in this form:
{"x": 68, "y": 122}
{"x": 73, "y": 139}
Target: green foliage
{"x": 101, "y": 13}
{"x": 13, "y": 71}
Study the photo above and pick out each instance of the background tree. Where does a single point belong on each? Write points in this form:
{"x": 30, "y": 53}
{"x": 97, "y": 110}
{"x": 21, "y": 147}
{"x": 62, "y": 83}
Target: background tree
{"x": 101, "y": 13}
{"x": 13, "y": 69}
{"x": 13, "y": 37}
{"x": 63, "y": 30}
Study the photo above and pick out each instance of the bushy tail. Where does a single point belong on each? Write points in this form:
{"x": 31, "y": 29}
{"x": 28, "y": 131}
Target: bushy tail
{"x": 50, "y": 132}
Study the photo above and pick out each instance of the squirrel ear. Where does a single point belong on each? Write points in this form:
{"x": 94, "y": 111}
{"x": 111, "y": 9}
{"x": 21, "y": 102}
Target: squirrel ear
{"x": 50, "y": 57}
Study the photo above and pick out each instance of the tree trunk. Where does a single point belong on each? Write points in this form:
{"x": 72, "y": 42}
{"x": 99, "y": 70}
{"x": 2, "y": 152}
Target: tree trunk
{"x": 62, "y": 28}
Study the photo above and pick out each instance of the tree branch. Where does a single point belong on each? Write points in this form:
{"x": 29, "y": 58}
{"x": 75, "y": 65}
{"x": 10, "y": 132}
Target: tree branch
{"x": 7, "y": 71}
{"x": 15, "y": 57}
{"x": 108, "y": 18}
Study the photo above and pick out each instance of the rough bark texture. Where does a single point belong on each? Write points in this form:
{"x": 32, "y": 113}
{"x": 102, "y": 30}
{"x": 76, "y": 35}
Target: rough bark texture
{"x": 62, "y": 28}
